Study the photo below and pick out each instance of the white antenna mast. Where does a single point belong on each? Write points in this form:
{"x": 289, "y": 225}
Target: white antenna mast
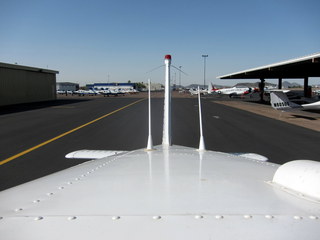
{"x": 150, "y": 144}
{"x": 202, "y": 146}
{"x": 166, "y": 137}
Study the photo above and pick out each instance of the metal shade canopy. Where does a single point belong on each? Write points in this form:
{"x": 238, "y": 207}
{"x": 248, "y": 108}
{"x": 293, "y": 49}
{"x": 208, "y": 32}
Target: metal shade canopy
{"x": 303, "y": 67}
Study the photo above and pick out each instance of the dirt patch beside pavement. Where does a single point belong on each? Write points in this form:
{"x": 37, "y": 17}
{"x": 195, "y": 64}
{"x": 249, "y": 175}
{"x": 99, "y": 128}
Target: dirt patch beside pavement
{"x": 301, "y": 118}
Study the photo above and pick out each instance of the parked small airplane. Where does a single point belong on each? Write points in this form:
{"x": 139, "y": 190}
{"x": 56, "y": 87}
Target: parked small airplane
{"x": 268, "y": 91}
{"x": 112, "y": 92}
{"x": 280, "y": 101}
{"x": 233, "y": 91}
{"x": 316, "y": 92}
{"x": 131, "y": 91}
{"x": 85, "y": 92}
{"x": 196, "y": 91}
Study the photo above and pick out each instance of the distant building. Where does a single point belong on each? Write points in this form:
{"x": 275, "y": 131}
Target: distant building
{"x": 22, "y": 84}
{"x": 67, "y": 86}
{"x": 156, "y": 87}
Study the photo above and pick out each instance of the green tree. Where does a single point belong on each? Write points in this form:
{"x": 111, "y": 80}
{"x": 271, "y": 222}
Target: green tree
{"x": 140, "y": 85}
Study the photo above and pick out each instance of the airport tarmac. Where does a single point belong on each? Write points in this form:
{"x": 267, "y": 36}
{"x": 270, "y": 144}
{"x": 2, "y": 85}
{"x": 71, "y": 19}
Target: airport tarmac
{"x": 36, "y": 137}
{"x": 307, "y": 119}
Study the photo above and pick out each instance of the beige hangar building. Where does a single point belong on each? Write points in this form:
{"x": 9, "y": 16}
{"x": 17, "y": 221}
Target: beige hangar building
{"x": 22, "y": 84}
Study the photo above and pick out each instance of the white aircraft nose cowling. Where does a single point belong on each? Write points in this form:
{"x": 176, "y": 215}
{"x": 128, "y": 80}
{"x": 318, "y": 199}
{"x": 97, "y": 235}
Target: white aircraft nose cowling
{"x": 301, "y": 176}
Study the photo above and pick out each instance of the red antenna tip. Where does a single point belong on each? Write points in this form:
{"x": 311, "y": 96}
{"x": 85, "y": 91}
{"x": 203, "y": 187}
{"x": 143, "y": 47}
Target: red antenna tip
{"x": 167, "y": 57}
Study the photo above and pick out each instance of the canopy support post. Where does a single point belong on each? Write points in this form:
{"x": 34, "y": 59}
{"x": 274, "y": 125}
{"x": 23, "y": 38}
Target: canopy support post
{"x": 280, "y": 83}
{"x": 261, "y": 87}
{"x": 305, "y": 86}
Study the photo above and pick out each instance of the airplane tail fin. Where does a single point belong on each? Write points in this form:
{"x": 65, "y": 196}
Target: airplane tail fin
{"x": 280, "y": 101}
{"x": 210, "y": 88}
{"x": 93, "y": 90}
{"x": 214, "y": 89}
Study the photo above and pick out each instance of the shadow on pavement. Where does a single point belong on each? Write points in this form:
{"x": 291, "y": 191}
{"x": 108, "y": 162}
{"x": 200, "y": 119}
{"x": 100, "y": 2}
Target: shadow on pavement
{"x": 37, "y": 105}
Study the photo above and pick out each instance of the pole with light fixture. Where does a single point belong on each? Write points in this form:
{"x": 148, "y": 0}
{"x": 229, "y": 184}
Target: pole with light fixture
{"x": 204, "y": 70}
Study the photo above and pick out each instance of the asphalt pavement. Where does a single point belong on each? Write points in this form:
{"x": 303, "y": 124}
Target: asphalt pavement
{"x": 50, "y": 130}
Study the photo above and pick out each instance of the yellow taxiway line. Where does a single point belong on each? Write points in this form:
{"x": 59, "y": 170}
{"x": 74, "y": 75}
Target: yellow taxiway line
{"x": 66, "y": 133}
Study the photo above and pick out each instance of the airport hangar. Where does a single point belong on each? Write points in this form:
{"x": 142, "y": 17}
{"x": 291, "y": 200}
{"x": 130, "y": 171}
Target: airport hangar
{"x": 303, "y": 67}
{"x": 22, "y": 84}
{"x": 67, "y": 86}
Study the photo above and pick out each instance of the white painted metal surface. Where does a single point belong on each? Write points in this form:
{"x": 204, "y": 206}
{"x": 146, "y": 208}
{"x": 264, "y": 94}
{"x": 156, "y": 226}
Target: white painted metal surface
{"x": 175, "y": 193}
{"x": 312, "y": 106}
{"x": 150, "y": 143}
{"x": 202, "y": 146}
{"x": 302, "y": 177}
{"x": 166, "y": 137}
{"x": 253, "y": 156}
{"x": 92, "y": 154}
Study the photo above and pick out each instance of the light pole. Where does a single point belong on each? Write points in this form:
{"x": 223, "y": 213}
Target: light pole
{"x": 204, "y": 70}
{"x": 180, "y": 77}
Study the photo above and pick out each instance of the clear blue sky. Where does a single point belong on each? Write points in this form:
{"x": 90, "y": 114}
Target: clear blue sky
{"x": 87, "y": 41}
